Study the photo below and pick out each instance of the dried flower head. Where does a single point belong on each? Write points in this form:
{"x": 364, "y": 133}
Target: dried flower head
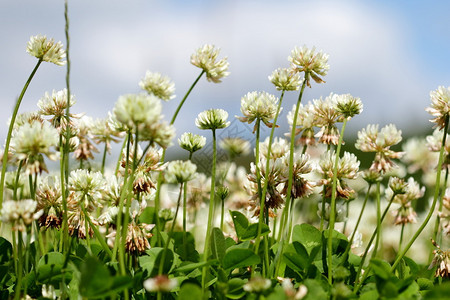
{"x": 137, "y": 237}
{"x": 191, "y": 142}
{"x": 300, "y": 186}
{"x": 179, "y": 171}
{"x": 85, "y": 149}
{"x": 137, "y": 110}
{"x": 370, "y": 139}
{"x": 20, "y": 214}
{"x": 46, "y": 49}
{"x": 441, "y": 259}
{"x": 440, "y": 106}
{"x": 158, "y": 85}
{"x": 206, "y": 58}
{"x": 286, "y": 79}
{"x": 33, "y": 140}
{"x": 212, "y": 119}
{"x": 258, "y": 106}
{"x": 314, "y": 64}
{"x": 49, "y": 200}
{"x": 235, "y": 146}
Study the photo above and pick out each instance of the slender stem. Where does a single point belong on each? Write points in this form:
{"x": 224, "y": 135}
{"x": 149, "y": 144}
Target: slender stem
{"x": 185, "y": 214}
{"x": 437, "y": 234}
{"x": 210, "y": 213}
{"x": 11, "y": 126}
{"x": 16, "y": 183}
{"x": 166, "y": 245}
{"x": 322, "y": 213}
{"x": 105, "y": 150}
{"x": 185, "y": 97}
{"x": 97, "y": 233}
{"x": 435, "y": 199}
{"x": 124, "y": 144}
{"x": 19, "y": 270}
{"x": 333, "y": 205}
{"x": 377, "y": 241}
{"x": 401, "y": 237}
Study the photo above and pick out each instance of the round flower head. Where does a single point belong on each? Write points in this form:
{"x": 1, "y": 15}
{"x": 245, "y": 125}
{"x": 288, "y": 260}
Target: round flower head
{"x": 20, "y": 214}
{"x": 160, "y": 133}
{"x": 348, "y": 105}
{"x": 206, "y": 58}
{"x": 235, "y": 146}
{"x": 212, "y": 119}
{"x": 103, "y": 132}
{"x": 179, "y": 171}
{"x": 86, "y": 183}
{"x": 158, "y": 85}
{"x": 286, "y": 79}
{"x": 305, "y": 123}
{"x": 326, "y": 115}
{"x": 314, "y": 64}
{"x": 46, "y": 49}
{"x": 160, "y": 283}
{"x": 55, "y": 105}
{"x": 258, "y": 106}
{"x": 135, "y": 110}
{"x": 191, "y": 142}
{"x": 32, "y": 140}
{"x": 440, "y": 105}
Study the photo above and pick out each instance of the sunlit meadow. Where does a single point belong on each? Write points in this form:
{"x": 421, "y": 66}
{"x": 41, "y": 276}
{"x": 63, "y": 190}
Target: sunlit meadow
{"x": 305, "y": 219}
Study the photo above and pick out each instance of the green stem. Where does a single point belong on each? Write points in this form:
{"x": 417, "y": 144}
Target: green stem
{"x": 401, "y": 237}
{"x": 210, "y": 213}
{"x": 333, "y": 205}
{"x": 11, "y": 126}
{"x": 377, "y": 241}
{"x": 437, "y": 234}
{"x": 97, "y": 233}
{"x": 19, "y": 270}
{"x": 105, "y": 150}
{"x": 435, "y": 199}
{"x": 185, "y": 214}
{"x": 16, "y": 183}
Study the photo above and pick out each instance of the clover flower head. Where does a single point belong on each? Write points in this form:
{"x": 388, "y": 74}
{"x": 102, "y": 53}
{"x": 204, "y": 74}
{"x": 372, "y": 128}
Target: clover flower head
{"x": 397, "y": 185}
{"x": 314, "y": 64}
{"x": 348, "y": 105}
{"x": 32, "y": 140}
{"x": 137, "y": 110}
{"x": 212, "y": 119}
{"x": 137, "y": 237}
{"x": 206, "y": 58}
{"x": 179, "y": 171}
{"x": 280, "y": 147}
{"x": 418, "y": 156}
{"x": 305, "y": 123}
{"x": 158, "y": 85}
{"x": 440, "y": 106}
{"x": 49, "y": 200}
{"x": 161, "y": 133}
{"x": 87, "y": 183}
{"x": 441, "y": 259}
{"x": 326, "y": 115}
{"x": 191, "y": 142}
{"x": 235, "y": 146}
{"x": 160, "y": 283}
{"x": 257, "y": 285}
{"x": 55, "y": 105}
{"x": 286, "y": 79}
{"x": 20, "y": 214}
{"x": 103, "y": 132}
{"x": 258, "y": 106}
{"x": 46, "y": 49}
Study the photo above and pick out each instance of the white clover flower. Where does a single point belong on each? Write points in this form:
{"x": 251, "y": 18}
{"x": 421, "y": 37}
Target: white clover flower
{"x": 161, "y": 133}
{"x": 191, "y": 142}
{"x": 20, "y": 214}
{"x": 257, "y": 285}
{"x": 179, "y": 171}
{"x": 55, "y": 105}
{"x": 279, "y": 148}
{"x": 46, "y": 49}
{"x": 158, "y": 85}
{"x": 212, "y": 119}
{"x": 235, "y": 146}
{"x": 48, "y": 292}
{"x": 258, "y": 106}
{"x": 314, "y": 64}
{"x": 304, "y": 124}
{"x": 160, "y": 283}
{"x": 440, "y": 106}
{"x": 286, "y": 79}
{"x": 137, "y": 110}
{"x": 206, "y": 58}
{"x": 103, "y": 132}
{"x": 86, "y": 183}
{"x": 326, "y": 115}
{"x": 32, "y": 140}
{"x": 418, "y": 156}
{"x": 348, "y": 105}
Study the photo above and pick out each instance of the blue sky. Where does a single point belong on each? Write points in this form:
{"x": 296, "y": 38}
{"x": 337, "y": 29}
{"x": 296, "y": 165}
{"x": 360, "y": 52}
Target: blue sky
{"x": 391, "y": 54}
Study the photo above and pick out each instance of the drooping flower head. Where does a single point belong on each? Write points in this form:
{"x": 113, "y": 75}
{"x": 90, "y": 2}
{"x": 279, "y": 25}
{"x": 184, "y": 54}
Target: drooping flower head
{"x": 191, "y": 142}
{"x": 370, "y": 139}
{"x": 440, "y": 106}
{"x": 86, "y": 148}
{"x": 158, "y": 85}
{"x": 258, "y": 106}
{"x": 314, "y": 64}
{"x": 206, "y": 58}
{"x": 46, "y": 49}
{"x": 286, "y": 79}
{"x": 212, "y": 119}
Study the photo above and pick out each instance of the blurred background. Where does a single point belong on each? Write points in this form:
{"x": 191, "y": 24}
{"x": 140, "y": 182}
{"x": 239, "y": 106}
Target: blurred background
{"x": 391, "y": 54}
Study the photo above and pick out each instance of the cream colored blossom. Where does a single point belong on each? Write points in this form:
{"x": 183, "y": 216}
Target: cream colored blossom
{"x": 305, "y": 123}
{"x": 87, "y": 184}
{"x": 286, "y": 79}
{"x": 314, "y": 64}
{"x": 235, "y": 146}
{"x": 158, "y": 85}
{"x": 137, "y": 110}
{"x": 55, "y": 105}
{"x": 258, "y": 106}
{"x": 160, "y": 283}
{"x": 46, "y": 49}
{"x": 212, "y": 119}
{"x": 191, "y": 142}
{"x": 440, "y": 106}
{"x": 348, "y": 105}
{"x": 206, "y": 58}
{"x": 179, "y": 171}
{"x": 20, "y": 214}
{"x": 257, "y": 285}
